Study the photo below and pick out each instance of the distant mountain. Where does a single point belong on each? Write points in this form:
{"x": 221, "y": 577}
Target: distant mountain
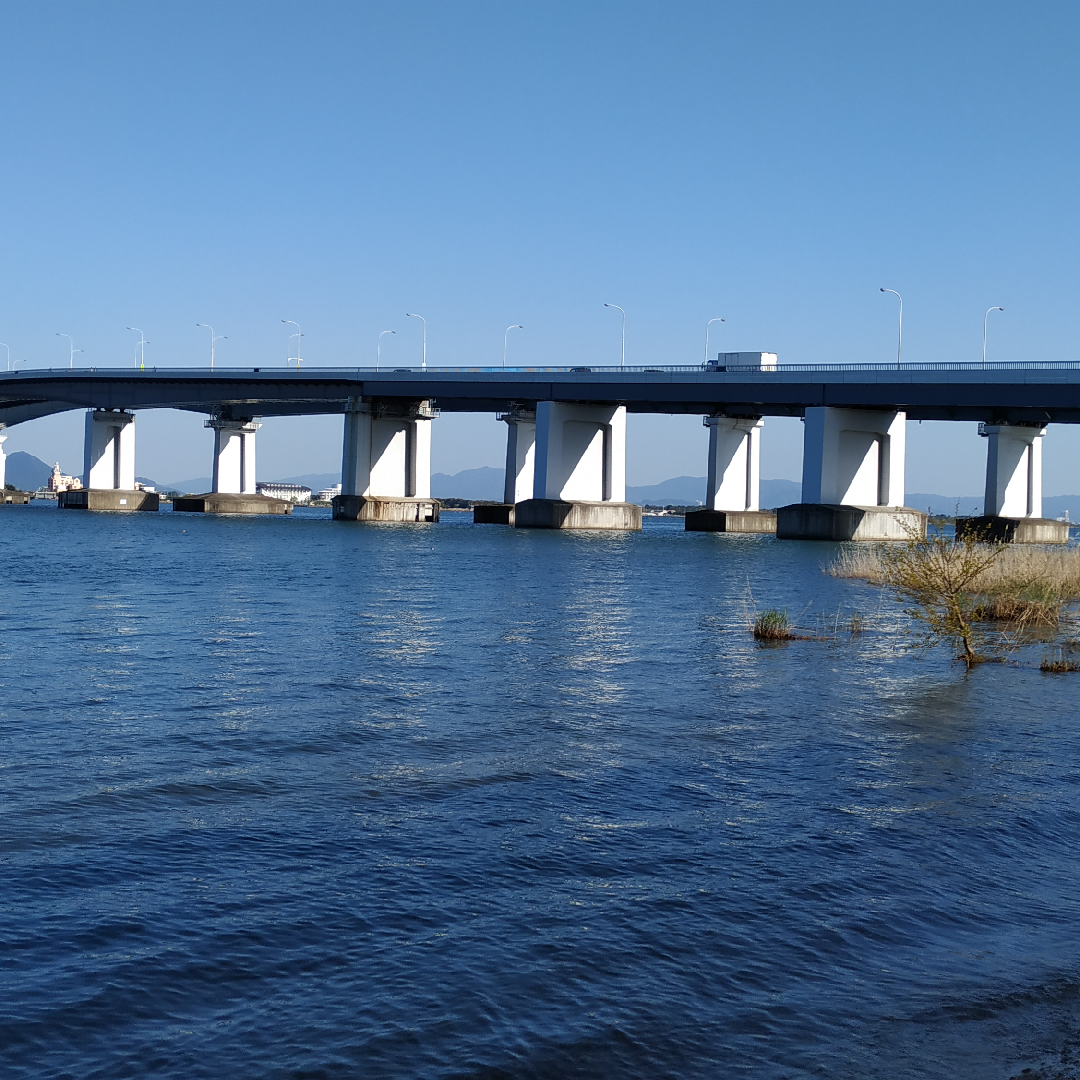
{"x": 776, "y": 493}
{"x": 678, "y": 491}
{"x": 691, "y": 491}
{"x": 315, "y": 481}
{"x": 188, "y": 487}
{"x": 482, "y": 484}
{"x": 487, "y": 483}
{"x": 1056, "y": 505}
{"x": 26, "y": 472}
{"x": 945, "y": 504}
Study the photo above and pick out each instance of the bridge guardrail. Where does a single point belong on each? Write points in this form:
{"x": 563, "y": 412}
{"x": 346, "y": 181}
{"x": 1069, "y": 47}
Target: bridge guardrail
{"x": 595, "y": 369}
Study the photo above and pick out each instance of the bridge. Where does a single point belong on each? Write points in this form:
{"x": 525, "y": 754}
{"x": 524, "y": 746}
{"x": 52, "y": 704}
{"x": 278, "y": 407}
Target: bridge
{"x": 566, "y": 427}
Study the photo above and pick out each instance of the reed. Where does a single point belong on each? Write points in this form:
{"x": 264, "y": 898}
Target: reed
{"x": 1024, "y": 585}
{"x": 772, "y": 625}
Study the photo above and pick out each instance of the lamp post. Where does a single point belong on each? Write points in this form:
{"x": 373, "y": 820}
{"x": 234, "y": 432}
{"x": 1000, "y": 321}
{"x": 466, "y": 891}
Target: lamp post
{"x": 623, "y": 364}
{"x": 298, "y": 336}
{"x": 141, "y": 354}
{"x": 707, "y": 325}
{"x": 410, "y": 315}
{"x": 71, "y": 349}
{"x": 516, "y": 326}
{"x": 214, "y": 338}
{"x": 8, "y": 347}
{"x": 988, "y": 310}
{"x": 378, "y": 348}
{"x": 18, "y": 362}
{"x": 900, "y": 331}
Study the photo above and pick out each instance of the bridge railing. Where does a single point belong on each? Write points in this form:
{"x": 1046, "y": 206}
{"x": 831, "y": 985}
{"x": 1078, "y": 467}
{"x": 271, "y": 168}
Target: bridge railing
{"x": 280, "y": 371}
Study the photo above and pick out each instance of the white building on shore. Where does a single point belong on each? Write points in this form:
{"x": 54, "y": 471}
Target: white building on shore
{"x": 294, "y": 493}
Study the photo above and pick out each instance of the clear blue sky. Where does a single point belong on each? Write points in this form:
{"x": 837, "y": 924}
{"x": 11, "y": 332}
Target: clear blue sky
{"x": 492, "y": 163}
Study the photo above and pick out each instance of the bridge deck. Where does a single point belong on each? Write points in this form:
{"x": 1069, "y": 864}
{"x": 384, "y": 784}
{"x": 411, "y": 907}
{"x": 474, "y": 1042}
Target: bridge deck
{"x": 1019, "y": 392}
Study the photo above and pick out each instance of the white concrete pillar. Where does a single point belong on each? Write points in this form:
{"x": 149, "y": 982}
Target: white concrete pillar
{"x": 3, "y": 459}
{"x": 234, "y": 456}
{"x": 1013, "y": 470}
{"x": 734, "y": 463}
{"x": 386, "y": 451}
{"x": 520, "y": 455}
{"x": 580, "y": 453}
{"x": 853, "y": 457}
{"x": 109, "y": 450}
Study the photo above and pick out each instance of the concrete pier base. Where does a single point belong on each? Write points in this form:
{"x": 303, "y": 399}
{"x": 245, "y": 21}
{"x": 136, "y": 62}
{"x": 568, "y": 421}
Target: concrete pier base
{"x": 493, "y": 514}
{"x": 731, "y": 521}
{"x": 560, "y": 514}
{"x": 1009, "y": 530}
{"x": 14, "y": 498}
{"x": 107, "y": 499}
{"x": 831, "y": 521}
{"x": 222, "y": 502}
{"x": 380, "y": 508}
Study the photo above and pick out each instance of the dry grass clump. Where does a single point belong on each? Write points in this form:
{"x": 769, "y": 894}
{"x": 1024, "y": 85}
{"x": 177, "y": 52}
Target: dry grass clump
{"x": 1023, "y": 585}
{"x": 1058, "y": 665}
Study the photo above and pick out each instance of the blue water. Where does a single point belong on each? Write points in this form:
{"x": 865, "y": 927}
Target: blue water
{"x": 285, "y": 797}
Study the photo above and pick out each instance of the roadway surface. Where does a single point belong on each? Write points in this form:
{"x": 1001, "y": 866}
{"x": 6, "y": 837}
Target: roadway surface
{"x": 1005, "y": 393}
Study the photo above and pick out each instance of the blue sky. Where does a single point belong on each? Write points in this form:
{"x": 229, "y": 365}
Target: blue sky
{"x": 493, "y": 163}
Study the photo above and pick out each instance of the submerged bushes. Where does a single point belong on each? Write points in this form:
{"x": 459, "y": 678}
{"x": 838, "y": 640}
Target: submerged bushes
{"x": 955, "y": 585}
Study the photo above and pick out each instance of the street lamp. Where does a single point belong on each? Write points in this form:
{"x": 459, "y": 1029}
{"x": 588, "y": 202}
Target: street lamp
{"x": 900, "y": 331}
{"x": 298, "y": 336}
{"x": 71, "y": 348}
{"x": 410, "y": 315}
{"x": 141, "y": 362}
{"x": 516, "y": 326}
{"x": 707, "y": 325}
{"x": 18, "y": 362}
{"x": 213, "y": 339}
{"x": 988, "y": 310}
{"x": 378, "y": 348}
{"x": 8, "y": 347}
{"x": 623, "y": 331}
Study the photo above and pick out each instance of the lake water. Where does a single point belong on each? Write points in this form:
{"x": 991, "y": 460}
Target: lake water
{"x": 285, "y": 797}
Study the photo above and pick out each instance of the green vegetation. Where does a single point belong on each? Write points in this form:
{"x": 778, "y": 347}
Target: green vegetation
{"x": 772, "y": 625}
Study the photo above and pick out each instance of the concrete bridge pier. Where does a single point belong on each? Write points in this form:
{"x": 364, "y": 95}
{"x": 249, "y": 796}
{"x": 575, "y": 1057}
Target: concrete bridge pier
{"x": 233, "y": 485}
{"x": 579, "y": 470}
{"x": 108, "y": 466}
{"x": 520, "y": 460}
{"x": 234, "y": 456}
{"x": 1012, "y": 507}
{"x": 853, "y": 479}
{"x": 386, "y": 463}
{"x": 732, "y": 503}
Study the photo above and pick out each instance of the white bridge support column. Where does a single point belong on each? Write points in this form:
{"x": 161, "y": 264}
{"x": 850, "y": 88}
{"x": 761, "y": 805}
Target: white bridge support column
{"x": 1012, "y": 509}
{"x": 234, "y": 456}
{"x": 386, "y": 463}
{"x": 3, "y": 461}
{"x": 1013, "y": 470}
{"x": 733, "y": 502}
{"x": 109, "y": 450}
{"x": 853, "y": 457}
{"x": 852, "y": 479}
{"x": 734, "y": 463}
{"x": 520, "y": 455}
{"x": 108, "y": 466}
{"x": 579, "y": 470}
